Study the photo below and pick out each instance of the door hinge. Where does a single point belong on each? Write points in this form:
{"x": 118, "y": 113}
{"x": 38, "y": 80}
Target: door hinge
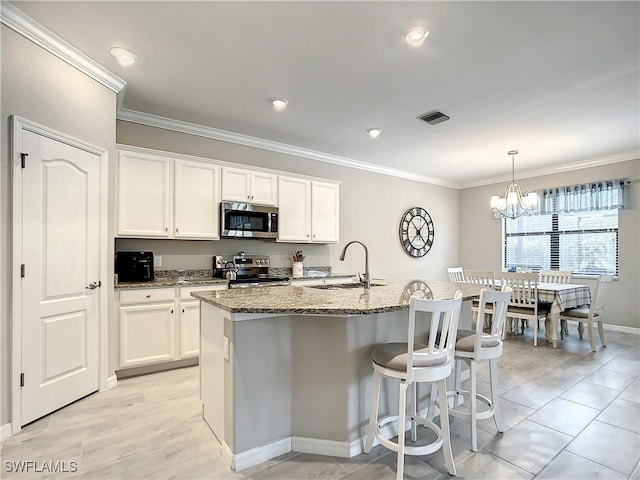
{"x": 22, "y": 271}
{"x": 22, "y": 379}
{"x": 23, "y": 159}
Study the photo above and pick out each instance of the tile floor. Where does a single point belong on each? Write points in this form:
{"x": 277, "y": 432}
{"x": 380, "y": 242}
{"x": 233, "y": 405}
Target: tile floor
{"x": 570, "y": 413}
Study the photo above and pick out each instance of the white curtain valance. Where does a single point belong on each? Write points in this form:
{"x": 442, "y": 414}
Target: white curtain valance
{"x": 587, "y": 197}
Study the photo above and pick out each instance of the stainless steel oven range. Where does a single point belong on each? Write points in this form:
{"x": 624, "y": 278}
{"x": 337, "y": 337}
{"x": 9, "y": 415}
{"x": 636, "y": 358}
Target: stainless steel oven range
{"x": 246, "y": 271}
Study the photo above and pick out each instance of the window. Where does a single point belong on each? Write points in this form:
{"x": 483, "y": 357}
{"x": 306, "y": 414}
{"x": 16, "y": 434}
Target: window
{"x": 584, "y": 243}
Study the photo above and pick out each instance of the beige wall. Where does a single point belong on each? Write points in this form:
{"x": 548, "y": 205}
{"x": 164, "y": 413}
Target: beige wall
{"x": 480, "y": 243}
{"x": 39, "y": 87}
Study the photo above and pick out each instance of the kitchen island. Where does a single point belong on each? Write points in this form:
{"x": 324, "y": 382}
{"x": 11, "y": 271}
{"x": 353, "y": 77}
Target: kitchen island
{"x": 288, "y": 368}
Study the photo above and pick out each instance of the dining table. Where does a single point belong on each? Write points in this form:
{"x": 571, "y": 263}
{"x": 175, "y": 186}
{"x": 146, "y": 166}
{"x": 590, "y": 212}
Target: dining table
{"x": 561, "y": 296}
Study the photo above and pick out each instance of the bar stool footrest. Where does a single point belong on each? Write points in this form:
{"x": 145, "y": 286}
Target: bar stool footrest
{"x": 409, "y": 449}
{"x": 480, "y": 415}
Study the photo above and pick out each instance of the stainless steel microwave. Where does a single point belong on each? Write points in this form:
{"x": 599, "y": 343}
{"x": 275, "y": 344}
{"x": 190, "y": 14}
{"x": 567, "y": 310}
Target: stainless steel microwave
{"x": 246, "y": 220}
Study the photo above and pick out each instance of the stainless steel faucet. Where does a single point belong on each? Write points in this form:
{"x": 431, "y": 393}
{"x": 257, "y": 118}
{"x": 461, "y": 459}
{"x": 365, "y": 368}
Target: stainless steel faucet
{"x": 365, "y": 279}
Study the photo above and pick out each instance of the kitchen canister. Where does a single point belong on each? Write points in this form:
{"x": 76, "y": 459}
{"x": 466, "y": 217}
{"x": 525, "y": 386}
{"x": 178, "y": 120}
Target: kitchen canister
{"x": 297, "y": 269}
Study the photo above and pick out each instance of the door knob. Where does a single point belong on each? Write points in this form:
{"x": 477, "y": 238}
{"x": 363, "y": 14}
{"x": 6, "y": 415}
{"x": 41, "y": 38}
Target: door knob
{"x": 94, "y": 285}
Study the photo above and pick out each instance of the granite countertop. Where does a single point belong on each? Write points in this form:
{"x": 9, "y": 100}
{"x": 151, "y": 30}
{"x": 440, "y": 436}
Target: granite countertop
{"x": 187, "y": 278}
{"x": 176, "y": 278}
{"x": 312, "y": 276}
{"x": 385, "y": 296}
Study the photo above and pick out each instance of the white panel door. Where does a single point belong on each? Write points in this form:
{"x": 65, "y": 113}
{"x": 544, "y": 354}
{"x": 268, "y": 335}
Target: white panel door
{"x": 325, "y": 212}
{"x": 294, "y": 219}
{"x": 144, "y": 195}
{"x": 197, "y": 200}
{"x": 60, "y": 253}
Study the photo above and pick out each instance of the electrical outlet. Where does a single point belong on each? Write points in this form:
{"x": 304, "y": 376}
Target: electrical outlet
{"x": 226, "y": 348}
{"x": 157, "y": 261}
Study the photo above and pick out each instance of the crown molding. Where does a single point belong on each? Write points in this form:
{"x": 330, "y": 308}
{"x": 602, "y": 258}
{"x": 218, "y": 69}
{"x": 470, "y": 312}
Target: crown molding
{"x": 15, "y": 19}
{"x": 554, "y": 170}
{"x": 255, "y": 142}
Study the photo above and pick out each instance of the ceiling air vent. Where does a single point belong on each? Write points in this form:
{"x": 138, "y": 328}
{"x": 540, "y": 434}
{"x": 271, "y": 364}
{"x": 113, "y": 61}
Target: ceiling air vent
{"x": 434, "y": 117}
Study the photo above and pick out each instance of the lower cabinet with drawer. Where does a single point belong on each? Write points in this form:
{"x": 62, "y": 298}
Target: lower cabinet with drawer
{"x": 159, "y": 325}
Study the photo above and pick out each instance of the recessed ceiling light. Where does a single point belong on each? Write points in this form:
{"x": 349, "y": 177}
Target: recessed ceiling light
{"x": 279, "y": 103}
{"x": 374, "y": 132}
{"x": 415, "y": 37}
{"x": 125, "y": 57}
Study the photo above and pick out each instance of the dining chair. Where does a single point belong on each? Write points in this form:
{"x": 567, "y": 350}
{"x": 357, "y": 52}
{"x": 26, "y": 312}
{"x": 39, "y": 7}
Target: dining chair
{"x": 554, "y": 276}
{"x": 590, "y": 313}
{"x": 486, "y": 278}
{"x": 473, "y": 346}
{"x": 480, "y": 277}
{"x": 413, "y": 363}
{"x": 524, "y": 304}
{"x": 456, "y": 274}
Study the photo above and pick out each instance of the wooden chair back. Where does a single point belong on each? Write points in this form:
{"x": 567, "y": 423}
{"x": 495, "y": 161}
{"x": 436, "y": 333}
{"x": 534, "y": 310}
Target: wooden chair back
{"x": 443, "y": 327}
{"x": 554, "y": 276}
{"x": 525, "y": 289}
{"x": 481, "y": 277}
{"x": 456, "y": 274}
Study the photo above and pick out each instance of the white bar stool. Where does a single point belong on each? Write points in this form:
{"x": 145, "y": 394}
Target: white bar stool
{"x": 414, "y": 363}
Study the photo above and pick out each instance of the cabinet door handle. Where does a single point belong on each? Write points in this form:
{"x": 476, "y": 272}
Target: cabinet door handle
{"x": 166, "y": 229}
{"x": 183, "y": 310}
{"x": 149, "y": 296}
{"x": 172, "y": 310}
{"x": 177, "y": 230}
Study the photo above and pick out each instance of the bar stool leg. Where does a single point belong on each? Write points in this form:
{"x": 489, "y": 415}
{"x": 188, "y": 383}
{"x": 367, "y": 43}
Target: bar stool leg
{"x": 473, "y": 405}
{"x": 495, "y": 396}
{"x": 373, "y": 417}
{"x": 414, "y": 411}
{"x": 402, "y": 409}
{"x": 444, "y": 426}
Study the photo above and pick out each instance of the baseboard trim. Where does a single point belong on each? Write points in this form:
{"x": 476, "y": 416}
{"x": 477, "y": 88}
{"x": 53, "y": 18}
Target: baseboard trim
{"x": 612, "y": 327}
{"x": 255, "y": 456}
{"x": 332, "y": 448}
{"x": 112, "y": 381}
{"x": 5, "y": 431}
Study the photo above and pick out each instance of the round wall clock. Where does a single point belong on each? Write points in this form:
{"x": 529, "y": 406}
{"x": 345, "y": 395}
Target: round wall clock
{"x": 416, "y": 232}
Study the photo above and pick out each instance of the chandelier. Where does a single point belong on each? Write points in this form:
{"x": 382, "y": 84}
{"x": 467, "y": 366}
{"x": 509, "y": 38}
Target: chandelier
{"x": 514, "y": 204}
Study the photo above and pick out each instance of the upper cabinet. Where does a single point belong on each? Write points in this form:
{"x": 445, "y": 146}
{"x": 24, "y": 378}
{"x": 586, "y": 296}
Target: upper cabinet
{"x": 308, "y": 211}
{"x": 163, "y": 197}
{"x": 248, "y": 186}
{"x": 325, "y": 212}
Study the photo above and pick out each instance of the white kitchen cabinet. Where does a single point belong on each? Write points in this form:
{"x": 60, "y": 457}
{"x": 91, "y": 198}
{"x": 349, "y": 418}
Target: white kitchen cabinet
{"x": 147, "y": 327}
{"x": 308, "y": 211}
{"x": 190, "y": 319}
{"x": 144, "y": 195}
{"x": 197, "y": 200}
{"x": 249, "y": 186}
{"x": 163, "y": 197}
{"x": 325, "y": 212}
{"x": 159, "y": 325}
{"x": 294, "y": 211}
